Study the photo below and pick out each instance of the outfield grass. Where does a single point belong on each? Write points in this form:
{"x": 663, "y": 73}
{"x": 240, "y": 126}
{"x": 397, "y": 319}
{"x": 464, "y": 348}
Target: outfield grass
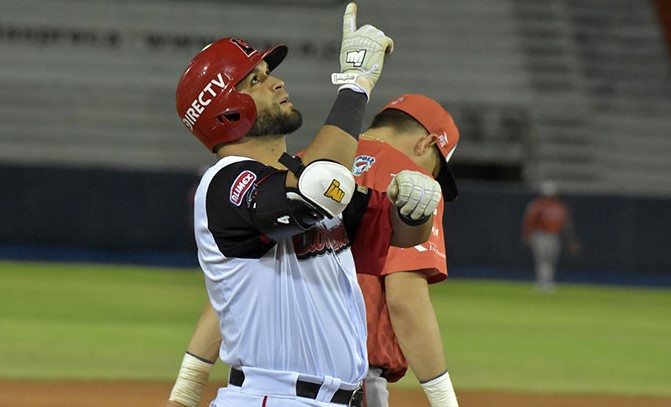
{"x": 91, "y": 322}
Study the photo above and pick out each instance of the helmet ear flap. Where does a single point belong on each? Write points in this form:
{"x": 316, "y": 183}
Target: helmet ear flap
{"x": 235, "y": 120}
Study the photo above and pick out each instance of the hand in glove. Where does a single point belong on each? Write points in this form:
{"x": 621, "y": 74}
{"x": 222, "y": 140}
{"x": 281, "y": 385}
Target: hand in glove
{"x": 414, "y": 194}
{"x": 361, "y": 54}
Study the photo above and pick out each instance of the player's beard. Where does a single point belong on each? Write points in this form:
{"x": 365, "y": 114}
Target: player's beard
{"x": 273, "y": 121}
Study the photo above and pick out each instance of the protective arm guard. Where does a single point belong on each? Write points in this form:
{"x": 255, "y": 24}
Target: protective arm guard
{"x": 281, "y": 213}
{"x": 324, "y": 190}
{"x": 325, "y": 184}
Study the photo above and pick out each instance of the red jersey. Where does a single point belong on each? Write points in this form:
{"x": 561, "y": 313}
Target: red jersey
{"x": 545, "y": 214}
{"x": 374, "y": 166}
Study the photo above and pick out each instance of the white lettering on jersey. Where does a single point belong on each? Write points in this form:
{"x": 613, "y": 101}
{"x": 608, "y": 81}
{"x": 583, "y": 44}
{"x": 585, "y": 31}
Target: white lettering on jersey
{"x": 283, "y": 219}
{"x": 241, "y": 185}
{"x": 420, "y": 248}
{"x": 204, "y": 98}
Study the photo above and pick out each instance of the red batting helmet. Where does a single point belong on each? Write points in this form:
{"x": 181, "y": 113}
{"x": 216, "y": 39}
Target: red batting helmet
{"x": 207, "y": 102}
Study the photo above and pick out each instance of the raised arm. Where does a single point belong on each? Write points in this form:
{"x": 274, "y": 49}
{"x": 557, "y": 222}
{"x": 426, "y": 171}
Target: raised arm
{"x": 362, "y": 55}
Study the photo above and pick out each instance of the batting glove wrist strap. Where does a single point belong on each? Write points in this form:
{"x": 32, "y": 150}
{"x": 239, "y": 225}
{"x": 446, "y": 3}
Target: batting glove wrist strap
{"x": 192, "y": 376}
{"x": 440, "y": 392}
{"x": 410, "y": 221}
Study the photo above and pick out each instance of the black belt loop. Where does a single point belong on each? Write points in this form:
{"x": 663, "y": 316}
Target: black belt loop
{"x": 236, "y": 377}
{"x": 351, "y": 398}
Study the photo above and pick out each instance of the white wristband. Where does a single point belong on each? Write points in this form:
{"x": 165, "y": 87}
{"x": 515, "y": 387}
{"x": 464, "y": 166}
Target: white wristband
{"x": 193, "y": 375}
{"x": 440, "y": 392}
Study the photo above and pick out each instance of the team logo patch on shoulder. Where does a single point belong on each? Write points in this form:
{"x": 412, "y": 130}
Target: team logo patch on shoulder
{"x": 362, "y": 163}
{"x": 242, "y": 184}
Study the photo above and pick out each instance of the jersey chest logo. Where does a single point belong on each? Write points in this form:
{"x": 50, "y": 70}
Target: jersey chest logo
{"x": 318, "y": 240}
{"x": 362, "y": 163}
{"x": 241, "y": 186}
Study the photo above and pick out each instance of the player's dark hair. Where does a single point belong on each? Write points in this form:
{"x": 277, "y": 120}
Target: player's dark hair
{"x": 397, "y": 119}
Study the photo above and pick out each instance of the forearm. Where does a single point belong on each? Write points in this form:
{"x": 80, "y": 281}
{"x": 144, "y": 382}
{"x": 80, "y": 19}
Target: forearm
{"x": 206, "y": 338}
{"x": 405, "y": 235}
{"x": 415, "y": 324}
{"x": 337, "y": 140}
{"x": 197, "y": 363}
{"x": 416, "y": 328}
{"x": 331, "y": 143}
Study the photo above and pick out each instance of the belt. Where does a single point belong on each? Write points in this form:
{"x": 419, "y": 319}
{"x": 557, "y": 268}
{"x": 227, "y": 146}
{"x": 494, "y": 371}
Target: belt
{"x": 352, "y": 398}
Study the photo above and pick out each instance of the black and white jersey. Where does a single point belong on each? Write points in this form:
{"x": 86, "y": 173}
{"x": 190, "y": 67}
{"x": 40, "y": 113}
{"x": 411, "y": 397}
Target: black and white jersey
{"x": 293, "y": 305}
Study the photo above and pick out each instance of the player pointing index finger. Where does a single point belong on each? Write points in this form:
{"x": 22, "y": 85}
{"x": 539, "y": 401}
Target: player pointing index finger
{"x": 361, "y": 55}
{"x": 349, "y": 19}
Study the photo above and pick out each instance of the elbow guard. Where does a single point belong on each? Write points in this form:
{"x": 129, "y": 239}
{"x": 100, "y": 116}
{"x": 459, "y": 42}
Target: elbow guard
{"x": 324, "y": 190}
{"x": 325, "y": 184}
{"x": 281, "y": 213}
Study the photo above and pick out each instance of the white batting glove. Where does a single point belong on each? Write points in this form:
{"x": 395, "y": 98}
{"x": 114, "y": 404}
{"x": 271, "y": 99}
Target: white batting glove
{"x": 361, "y": 54}
{"x": 415, "y": 194}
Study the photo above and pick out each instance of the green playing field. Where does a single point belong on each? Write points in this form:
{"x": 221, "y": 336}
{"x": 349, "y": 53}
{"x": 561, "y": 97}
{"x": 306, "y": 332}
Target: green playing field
{"x": 92, "y": 322}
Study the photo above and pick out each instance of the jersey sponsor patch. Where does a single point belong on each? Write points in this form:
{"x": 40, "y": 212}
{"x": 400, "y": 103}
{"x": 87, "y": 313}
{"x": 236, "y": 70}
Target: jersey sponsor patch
{"x": 362, "y": 163}
{"x": 242, "y": 184}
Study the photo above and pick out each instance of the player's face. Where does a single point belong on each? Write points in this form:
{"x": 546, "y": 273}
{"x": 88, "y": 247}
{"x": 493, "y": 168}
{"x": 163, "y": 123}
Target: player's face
{"x": 275, "y": 114}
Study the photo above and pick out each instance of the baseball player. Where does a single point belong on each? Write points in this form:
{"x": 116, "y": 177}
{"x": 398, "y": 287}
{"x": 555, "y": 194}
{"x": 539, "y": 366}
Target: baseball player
{"x": 412, "y": 132}
{"x": 546, "y": 219}
{"x": 273, "y": 231}
{"x": 395, "y": 142}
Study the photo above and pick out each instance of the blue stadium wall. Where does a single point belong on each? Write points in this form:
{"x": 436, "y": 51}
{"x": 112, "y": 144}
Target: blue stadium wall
{"x": 57, "y": 213}
{"x": 624, "y": 238}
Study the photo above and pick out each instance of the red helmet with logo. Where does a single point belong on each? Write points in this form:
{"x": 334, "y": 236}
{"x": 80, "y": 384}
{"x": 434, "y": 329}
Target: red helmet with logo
{"x": 207, "y": 102}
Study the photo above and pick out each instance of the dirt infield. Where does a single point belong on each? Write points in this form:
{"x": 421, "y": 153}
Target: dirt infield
{"x": 108, "y": 394}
